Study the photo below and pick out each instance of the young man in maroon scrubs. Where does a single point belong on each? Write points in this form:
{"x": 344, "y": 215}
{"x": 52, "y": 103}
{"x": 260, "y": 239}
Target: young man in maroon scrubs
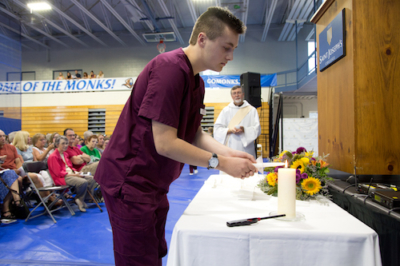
{"x": 158, "y": 132}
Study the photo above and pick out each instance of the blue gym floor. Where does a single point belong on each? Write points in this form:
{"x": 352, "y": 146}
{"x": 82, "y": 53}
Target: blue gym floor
{"x": 85, "y": 238}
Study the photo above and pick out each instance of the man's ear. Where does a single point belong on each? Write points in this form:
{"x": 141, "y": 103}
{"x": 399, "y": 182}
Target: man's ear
{"x": 202, "y": 39}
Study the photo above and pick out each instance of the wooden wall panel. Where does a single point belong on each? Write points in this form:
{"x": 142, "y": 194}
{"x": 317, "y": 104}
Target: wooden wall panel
{"x": 376, "y": 84}
{"x": 336, "y": 97}
{"x": 56, "y": 119}
{"x": 112, "y": 115}
{"x": 11, "y": 112}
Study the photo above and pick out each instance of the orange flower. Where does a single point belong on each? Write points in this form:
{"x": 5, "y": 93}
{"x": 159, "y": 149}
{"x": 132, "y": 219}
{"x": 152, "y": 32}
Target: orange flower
{"x": 323, "y": 163}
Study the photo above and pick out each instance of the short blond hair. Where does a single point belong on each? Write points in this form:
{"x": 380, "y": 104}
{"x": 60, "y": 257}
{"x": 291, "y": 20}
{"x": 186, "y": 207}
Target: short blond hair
{"x": 21, "y": 140}
{"x": 213, "y": 23}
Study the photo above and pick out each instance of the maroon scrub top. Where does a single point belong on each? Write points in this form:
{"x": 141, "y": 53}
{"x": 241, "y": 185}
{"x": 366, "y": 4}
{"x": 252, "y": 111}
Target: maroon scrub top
{"x": 165, "y": 91}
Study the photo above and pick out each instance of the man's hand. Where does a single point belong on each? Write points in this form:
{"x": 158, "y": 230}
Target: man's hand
{"x": 238, "y": 164}
{"x": 85, "y": 157}
{"x": 237, "y": 167}
{"x": 3, "y": 158}
{"x": 238, "y": 131}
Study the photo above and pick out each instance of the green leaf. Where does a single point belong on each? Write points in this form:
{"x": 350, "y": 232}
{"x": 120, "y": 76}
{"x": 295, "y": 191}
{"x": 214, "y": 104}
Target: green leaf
{"x": 289, "y": 154}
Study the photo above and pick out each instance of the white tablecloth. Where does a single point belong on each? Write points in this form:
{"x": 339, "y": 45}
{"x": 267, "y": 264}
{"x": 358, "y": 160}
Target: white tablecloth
{"x": 327, "y": 236}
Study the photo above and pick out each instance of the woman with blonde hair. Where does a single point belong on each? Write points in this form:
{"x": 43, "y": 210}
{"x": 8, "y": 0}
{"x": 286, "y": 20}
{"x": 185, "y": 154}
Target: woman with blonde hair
{"x": 39, "y": 179}
{"x": 40, "y": 153}
{"x": 20, "y": 142}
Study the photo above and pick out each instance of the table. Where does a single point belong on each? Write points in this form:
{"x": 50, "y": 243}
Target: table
{"x": 327, "y": 236}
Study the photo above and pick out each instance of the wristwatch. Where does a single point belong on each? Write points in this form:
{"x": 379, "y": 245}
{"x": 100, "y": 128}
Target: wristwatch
{"x": 213, "y": 162}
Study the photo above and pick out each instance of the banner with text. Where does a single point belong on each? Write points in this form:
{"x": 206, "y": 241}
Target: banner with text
{"x": 228, "y": 81}
{"x": 112, "y": 84}
{"x": 72, "y": 85}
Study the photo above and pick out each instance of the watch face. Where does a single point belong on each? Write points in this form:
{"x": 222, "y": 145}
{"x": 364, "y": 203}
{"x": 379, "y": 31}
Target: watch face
{"x": 214, "y": 162}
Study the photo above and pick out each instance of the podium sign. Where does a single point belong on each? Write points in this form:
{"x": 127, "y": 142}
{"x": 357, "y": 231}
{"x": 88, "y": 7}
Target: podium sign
{"x": 332, "y": 45}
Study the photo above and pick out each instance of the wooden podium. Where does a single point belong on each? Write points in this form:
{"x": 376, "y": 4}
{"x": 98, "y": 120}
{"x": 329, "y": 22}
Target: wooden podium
{"x": 359, "y": 95}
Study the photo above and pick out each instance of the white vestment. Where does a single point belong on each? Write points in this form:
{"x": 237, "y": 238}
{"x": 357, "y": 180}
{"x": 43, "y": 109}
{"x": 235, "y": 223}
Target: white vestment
{"x": 250, "y": 123}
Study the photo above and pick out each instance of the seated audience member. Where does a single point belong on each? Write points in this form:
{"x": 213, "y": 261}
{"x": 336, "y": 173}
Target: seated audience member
{"x": 21, "y": 143}
{"x": 63, "y": 173}
{"x": 100, "y": 75}
{"x": 53, "y": 137}
{"x": 47, "y": 137}
{"x": 77, "y": 74}
{"x": 60, "y": 76}
{"x": 92, "y": 75}
{"x": 40, "y": 153}
{"x": 68, "y": 76}
{"x": 11, "y": 137}
{"x": 86, "y": 136}
{"x": 80, "y": 161}
{"x": 13, "y": 161}
{"x": 90, "y": 150}
{"x": 106, "y": 141}
{"x": 79, "y": 142}
{"x": 11, "y": 179}
{"x": 85, "y": 75}
{"x": 100, "y": 143}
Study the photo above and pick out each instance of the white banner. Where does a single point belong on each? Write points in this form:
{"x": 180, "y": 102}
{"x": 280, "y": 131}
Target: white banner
{"x": 71, "y": 85}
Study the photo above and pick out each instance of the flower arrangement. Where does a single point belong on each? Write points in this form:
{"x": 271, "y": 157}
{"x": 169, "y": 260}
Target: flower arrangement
{"x": 311, "y": 174}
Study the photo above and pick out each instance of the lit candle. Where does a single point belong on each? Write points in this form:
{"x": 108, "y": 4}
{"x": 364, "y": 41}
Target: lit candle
{"x": 287, "y": 192}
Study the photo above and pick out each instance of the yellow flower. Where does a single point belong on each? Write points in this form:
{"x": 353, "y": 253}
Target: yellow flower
{"x": 311, "y": 185}
{"x": 282, "y": 153}
{"x": 309, "y": 154}
{"x": 298, "y": 165}
{"x": 272, "y": 178}
{"x": 305, "y": 161}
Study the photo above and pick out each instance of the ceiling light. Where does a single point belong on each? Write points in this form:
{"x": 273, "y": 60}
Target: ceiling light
{"x": 39, "y": 6}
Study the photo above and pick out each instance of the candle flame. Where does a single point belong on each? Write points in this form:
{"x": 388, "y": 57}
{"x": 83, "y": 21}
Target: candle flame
{"x": 286, "y": 164}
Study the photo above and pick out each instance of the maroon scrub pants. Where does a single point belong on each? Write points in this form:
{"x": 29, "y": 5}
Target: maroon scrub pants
{"x": 138, "y": 230}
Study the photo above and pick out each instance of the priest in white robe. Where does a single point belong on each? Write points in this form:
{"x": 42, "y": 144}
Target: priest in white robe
{"x": 238, "y": 124}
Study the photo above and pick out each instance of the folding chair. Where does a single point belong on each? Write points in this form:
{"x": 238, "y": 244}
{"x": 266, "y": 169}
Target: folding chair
{"x": 94, "y": 199}
{"x": 36, "y": 167}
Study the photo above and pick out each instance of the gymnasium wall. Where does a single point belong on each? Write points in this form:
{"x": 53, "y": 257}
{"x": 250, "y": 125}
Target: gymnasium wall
{"x": 252, "y": 55}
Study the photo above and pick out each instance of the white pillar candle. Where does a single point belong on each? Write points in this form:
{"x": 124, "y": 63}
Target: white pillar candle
{"x": 287, "y": 192}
